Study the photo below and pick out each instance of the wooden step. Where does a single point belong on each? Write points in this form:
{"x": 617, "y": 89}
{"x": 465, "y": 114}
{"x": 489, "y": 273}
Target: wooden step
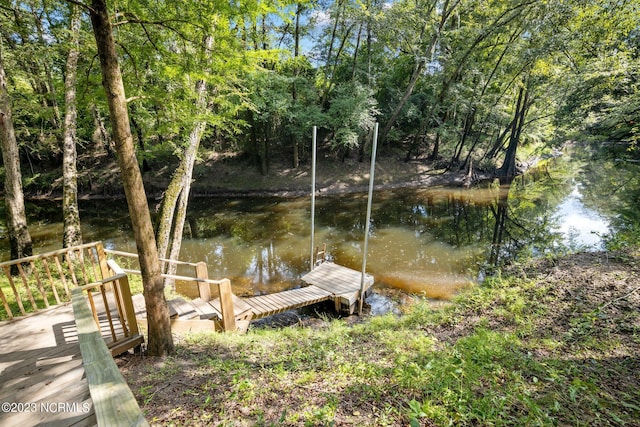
{"x": 180, "y": 308}
{"x": 241, "y": 310}
{"x": 206, "y": 310}
{"x": 139, "y": 306}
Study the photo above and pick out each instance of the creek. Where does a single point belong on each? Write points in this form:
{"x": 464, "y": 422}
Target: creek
{"x": 432, "y": 241}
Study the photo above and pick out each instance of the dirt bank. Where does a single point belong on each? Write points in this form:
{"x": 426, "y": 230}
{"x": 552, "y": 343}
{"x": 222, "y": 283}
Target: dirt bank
{"x": 234, "y": 176}
{"x": 231, "y": 176}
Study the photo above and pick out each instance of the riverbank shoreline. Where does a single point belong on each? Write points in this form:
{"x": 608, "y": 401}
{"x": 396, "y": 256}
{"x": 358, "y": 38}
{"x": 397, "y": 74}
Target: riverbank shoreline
{"x": 219, "y": 175}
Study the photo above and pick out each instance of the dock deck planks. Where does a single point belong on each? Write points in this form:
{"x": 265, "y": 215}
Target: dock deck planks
{"x": 327, "y": 282}
{"x": 40, "y": 363}
{"x": 267, "y": 305}
{"x": 342, "y": 282}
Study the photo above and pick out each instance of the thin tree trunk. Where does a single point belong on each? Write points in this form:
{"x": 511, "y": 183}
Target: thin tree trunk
{"x": 167, "y": 212}
{"x": 407, "y": 94}
{"x": 498, "y": 145}
{"x": 264, "y": 152}
{"x": 145, "y": 163}
{"x": 173, "y": 211}
{"x": 354, "y": 64}
{"x": 51, "y": 89}
{"x": 330, "y": 83}
{"x": 325, "y": 82}
{"x": 466, "y": 130}
{"x": 100, "y": 137}
{"x": 253, "y": 136}
{"x": 294, "y": 92}
{"x": 19, "y": 237}
{"x": 160, "y": 338}
{"x": 369, "y": 44}
{"x": 72, "y": 233}
{"x": 180, "y": 219}
{"x": 417, "y": 71}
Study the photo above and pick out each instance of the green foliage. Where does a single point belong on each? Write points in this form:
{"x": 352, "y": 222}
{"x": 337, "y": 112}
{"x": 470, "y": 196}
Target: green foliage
{"x": 353, "y": 66}
{"x": 351, "y": 115}
{"x": 490, "y": 358}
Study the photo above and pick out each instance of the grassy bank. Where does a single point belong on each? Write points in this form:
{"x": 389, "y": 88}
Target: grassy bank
{"x": 553, "y": 342}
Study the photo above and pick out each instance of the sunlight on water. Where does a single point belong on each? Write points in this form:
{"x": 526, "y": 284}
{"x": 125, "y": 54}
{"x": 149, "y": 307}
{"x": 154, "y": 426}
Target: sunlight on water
{"x": 581, "y": 226}
{"x": 419, "y": 263}
{"x": 436, "y": 285}
{"x": 478, "y": 196}
{"x": 432, "y": 242}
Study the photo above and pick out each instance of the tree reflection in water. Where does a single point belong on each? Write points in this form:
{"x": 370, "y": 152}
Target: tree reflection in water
{"x": 431, "y": 241}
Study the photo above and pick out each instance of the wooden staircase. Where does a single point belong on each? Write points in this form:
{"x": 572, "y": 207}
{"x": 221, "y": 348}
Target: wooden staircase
{"x": 197, "y": 315}
{"x": 326, "y": 282}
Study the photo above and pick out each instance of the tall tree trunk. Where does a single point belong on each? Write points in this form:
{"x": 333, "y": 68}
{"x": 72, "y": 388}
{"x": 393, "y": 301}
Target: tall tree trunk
{"x": 160, "y": 339}
{"x": 466, "y": 130}
{"x": 294, "y": 92}
{"x": 100, "y": 137}
{"x": 253, "y": 137}
{"x": 72, "y": 233}
{"x": 173, "y": 211}
{"x": 19, "y": 237}
{"x": 354, "y": 64}
{"x": 145, "y": 163}
{"x": 329, "y": 84}
{"x": 499, "y": 144}
{"x": 325, "y": 82}
{"x": 51, "y": 89}
{"x": 507, "y": 171}
{"x": 369, "y": 45}
{"x": 264, "y": 151}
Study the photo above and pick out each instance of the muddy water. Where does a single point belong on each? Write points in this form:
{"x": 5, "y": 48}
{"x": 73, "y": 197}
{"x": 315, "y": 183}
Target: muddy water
{"x": 432, "y": 241}
{"x": 421, "y": 241}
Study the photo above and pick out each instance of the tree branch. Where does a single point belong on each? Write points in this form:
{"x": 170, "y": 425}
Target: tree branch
{"x": 82, "y": 5}
{"x": 132, "y": 19}
{"x": 619, "y": 298}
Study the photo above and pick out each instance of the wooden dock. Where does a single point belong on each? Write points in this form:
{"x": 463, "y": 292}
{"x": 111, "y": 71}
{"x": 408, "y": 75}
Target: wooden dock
{"x": 41, "y": 366}
{"x": 327, "y": 282}
{"x": 343, "y": 283}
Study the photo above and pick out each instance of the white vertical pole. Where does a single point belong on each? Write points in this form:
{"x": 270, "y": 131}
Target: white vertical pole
{"x": 313, "y": 194}
{"x": 368, "y": 221}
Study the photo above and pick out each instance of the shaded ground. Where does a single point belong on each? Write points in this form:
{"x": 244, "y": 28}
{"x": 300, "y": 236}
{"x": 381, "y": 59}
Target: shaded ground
{"x": 233, "y": 176}
{"x": 560, "y": 345}
{"x": 228, "y": 174}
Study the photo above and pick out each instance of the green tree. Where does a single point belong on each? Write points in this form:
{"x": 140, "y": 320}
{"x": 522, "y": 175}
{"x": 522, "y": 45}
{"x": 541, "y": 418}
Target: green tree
{"x": 19, "y": 237}
{"x": 160, "y": 338}
{"x": 72, "y": 233}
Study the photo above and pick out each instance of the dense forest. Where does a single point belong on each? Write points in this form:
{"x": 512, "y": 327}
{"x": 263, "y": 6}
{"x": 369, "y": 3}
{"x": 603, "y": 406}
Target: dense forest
{"x": 453, "y": 80}
{"x": 467, "y": 84}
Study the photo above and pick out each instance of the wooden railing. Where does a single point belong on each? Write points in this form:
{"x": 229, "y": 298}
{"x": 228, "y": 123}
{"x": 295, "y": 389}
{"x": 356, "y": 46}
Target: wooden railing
{"x": 113, "y": 401}
{"x": 127, "y": 259}
{"x": 207, "y": 288}
{"x": 39, "y": 282}
{"x": 113, "y": 312}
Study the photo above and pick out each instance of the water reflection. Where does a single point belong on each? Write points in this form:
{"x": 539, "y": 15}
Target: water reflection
{"x": 582, "y": 227}
{"x": 430, "y": 241}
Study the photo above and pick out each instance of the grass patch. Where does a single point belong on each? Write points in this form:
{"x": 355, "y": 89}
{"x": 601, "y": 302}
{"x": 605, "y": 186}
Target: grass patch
{"x": 541, "y": 345}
